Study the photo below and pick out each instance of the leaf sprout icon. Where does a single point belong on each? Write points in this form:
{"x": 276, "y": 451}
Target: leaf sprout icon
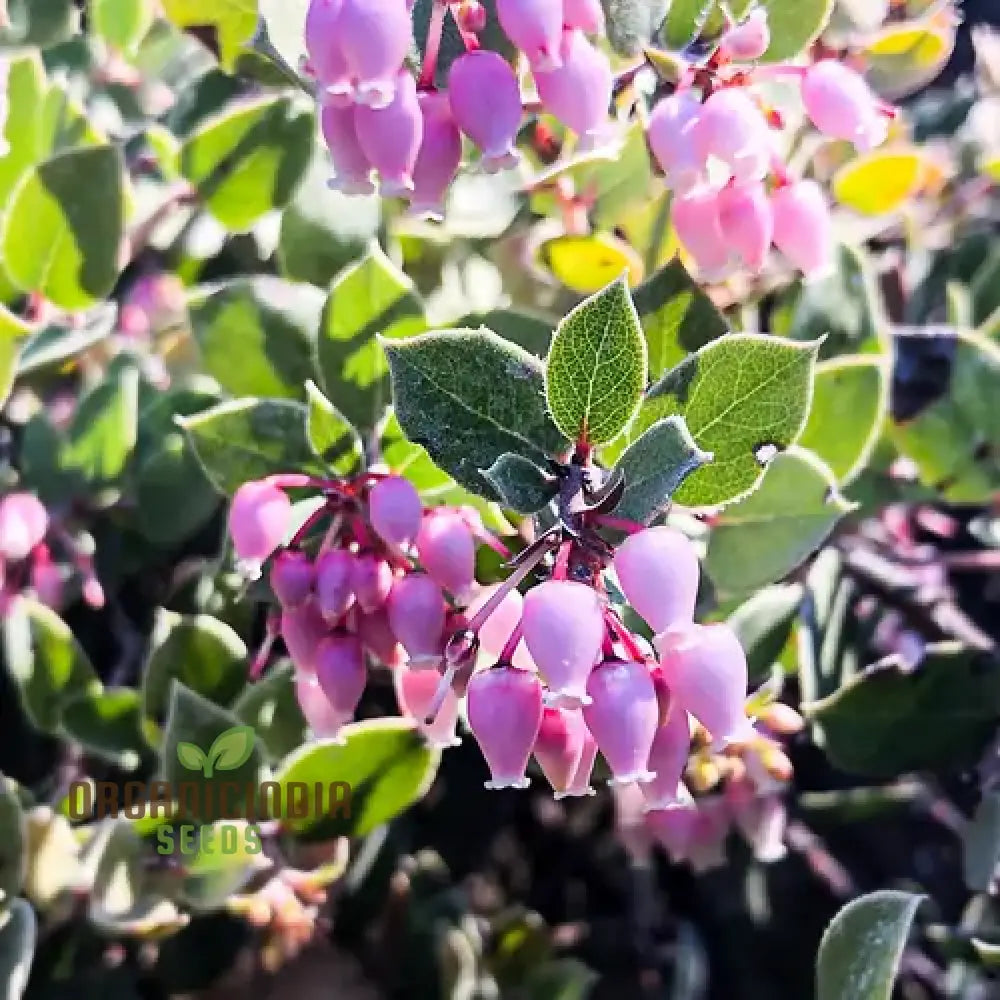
{"x": 231, "y": 749}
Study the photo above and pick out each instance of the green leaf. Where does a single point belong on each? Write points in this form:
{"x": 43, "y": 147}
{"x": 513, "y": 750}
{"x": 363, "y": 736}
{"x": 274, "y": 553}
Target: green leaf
{"x": 193, "y": 719}
{"x": 763, "y": 537}
{"x": 654, "y": 466}
{"x": 249, "y": 161}
{"x": 108, "y": 723}
{"x": 794, "y": 24}
{"x": 26, "y": 88}
{"x": 46, "y": 661}
{"x": 520, "y": 484}
{"x": 468, "y": 397}
{"x": 230, "y": 859}
{"x": 985, "y": 289}
{"x": 249, "y": 439}
{"x": 850, "y": 397}
{"x": 192, "y": 757}
{"x": 632, "y": 23}
{"x": 63, "y": 227}
{"x": 269, "y": 324}
{"x": 231, "y": 22}
{"x": 860, "y": 951}
{"x": 677, "y": 317}
{"x": 202, "y": 652}
{"x": 533, "y": 333}
{"x": 737, "y": 395}
{"x": 13, "y": 334}
{"x": 18, "y": 933}
{"x": 59, "y": 342}
{"x": 981, "y": 844}
{"x": 39, "y": 22}
{"x": 386, "y": 763}
{"x": 764, "y": 625}
{"x": 889, "y": 719}
{"x": 371, "y": 298}
{"x": 12, "y": 843}
{"x": 232, "y": 748}
{"x": 684, "y": 21}
{"x": 270, "y": 705}
{"x": 331, "y": 435}
{"x": 121, "y": 23}
{"x": 596, "y": 369}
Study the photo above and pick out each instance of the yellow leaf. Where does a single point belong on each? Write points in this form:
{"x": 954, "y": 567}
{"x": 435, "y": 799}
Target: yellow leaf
{"x": 880, "y": 182}
{"x": 990, "y": 166}
{"x": 586, "y": 264}
{"x": 903, "y": 58}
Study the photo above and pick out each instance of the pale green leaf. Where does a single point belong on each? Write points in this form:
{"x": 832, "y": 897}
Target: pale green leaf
{"x": 331, "y": 435}
{"x": 233, "y": 21}
{"x": 794, "y": 25}
{"x": 520, "y": 484}
{"x": 684, "y": 21}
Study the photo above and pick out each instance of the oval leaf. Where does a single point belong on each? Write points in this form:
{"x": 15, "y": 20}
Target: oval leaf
{"x": 521, "y": 485}
{"x": 330, "y": 433}
{"x": 880, "y": 182}
{"x": 794, "y": 25}
{"x": 586, "y": 264}
{"x": 18, "y": 932}
{"x": 981, "y": 844}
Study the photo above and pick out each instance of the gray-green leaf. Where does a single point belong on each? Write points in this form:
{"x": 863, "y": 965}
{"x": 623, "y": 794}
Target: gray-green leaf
{"x": 521, "y": 485}
{"x": 18, "y": 932}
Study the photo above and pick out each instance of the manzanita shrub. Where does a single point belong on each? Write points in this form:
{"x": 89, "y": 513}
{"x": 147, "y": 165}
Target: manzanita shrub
{"x": 498, "y": 499}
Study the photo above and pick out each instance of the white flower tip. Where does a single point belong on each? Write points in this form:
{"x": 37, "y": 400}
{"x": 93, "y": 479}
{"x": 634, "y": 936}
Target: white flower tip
{"x": 632, "y": 778}
{"x": 497, "y": 784}
{"x": 576, "y": 793}
{"x": 494, "y": 163}
{"x": 376, "y": 94}
{"x": 396, "y": 187}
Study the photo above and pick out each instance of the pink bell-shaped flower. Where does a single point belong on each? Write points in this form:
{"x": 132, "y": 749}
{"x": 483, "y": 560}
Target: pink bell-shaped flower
{"x": 622, "y": 717}
{"x": 335, "y": 576}
{"x": 259, "y": 518}
{"x": 578, "y": 92}
{"x": 587, "y": 15}
{"x": 747, "y": 222}
{"x": 390, "y": 136}
{"x": 326, "y": 58}
{"x": 395, "y": 510}
{"x": 415, "y": 692}
{"x": 695, "y": 217}
{"x": 378, "y": 638}
{"x": 657, "y": 570}
{"x": 762, "y": 820}
{"x": 292, "y": 578}
{"x": 673, "y": 826}
{"x": 747, "y": 41}
{"x": 439, "y": 157}
{"x": 500, "y": 625}
{"x": 504, "y": 706}
{"x": 732, "y": 129}
{"x": 707, "y": 846}
{"x": 486, "y": 105}
{"x": 671, "y": 135}
{"x": 340, "y": 671}
{"x": 563, "y": 625}
{"x": 24, "y": 522}
{"x": 447, "y": 551}
{"x": 535, "y": 27}
{"x": 375, "y": 37}
{"x": 371, "y": 581}
{"x": 561, "y": 740}
{"x": 803, "y": 228}
{"x": 48, "y": 583}
{"x": 579, "y": 785}
{"x": 706, "y": 669}
{"x": 668, "y": 758}
{"x": 303, "y": 629}
{"x": 351, "y": 169}
{"x": 842, "y": 106}
{"x": 320, "y": 715}
{"x": 416, "y": 612}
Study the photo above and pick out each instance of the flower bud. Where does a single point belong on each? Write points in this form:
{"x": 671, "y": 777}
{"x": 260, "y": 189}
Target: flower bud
{"x": 259, "y": 518}
{"x": 439, "y": 157}
{"x": 763, "y": 823}
{"x": 416, "y": 612}
{"x": 657, "y": 570}
{"x": 340, "y": 672}
{"x": 92, "y": 592}
{"x": 378, "y": 638}
{"x": 706, "y": 669}
{"x": 326, "y": 58}
{"x": 842, "y": 106}
{"x": 504, "y": 706}
{"x": 352, "y": 171}
{"x": 498, "y": 628}
{"x": 415, "y": 691}
{"x": 292, "y": 578}
{"x": 390, "y": 136}
{"x": 587, "y": 15}
{"x": 395, "y": 510}
{"x": 303, "y": 629}
{"x": 447, "y": 551}
{"x": 321, "y": 716}
{"x": 471, "y": 16}
{"x": 732, "y": 129}
{"x": 335, "y": 583}
{"x": 667, "y": 759}
{"x": 622, "y": 717}
{"x": 559, "y": 746}
{"x": 671, "y": 135}
{"x": 486, "y": 105}
{"x": 803, "y": 229}
{"x": 24, "y": 522}
{"x": 375, "y": 36}
{"x": 47, "y": 583}
{"x": 371, "y": 581}
{"x": 747, "y": 41}
{"x": 578, "y": 92}
{"x": 535, "y": 27}
{"x": 781, "y": 719}
{"x": 747, "y": 222}
{"x": 563, "y": 625}
{"x": 695, "y": 217}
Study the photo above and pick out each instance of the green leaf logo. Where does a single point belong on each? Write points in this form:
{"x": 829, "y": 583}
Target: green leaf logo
{"x": 231, "y": 749}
